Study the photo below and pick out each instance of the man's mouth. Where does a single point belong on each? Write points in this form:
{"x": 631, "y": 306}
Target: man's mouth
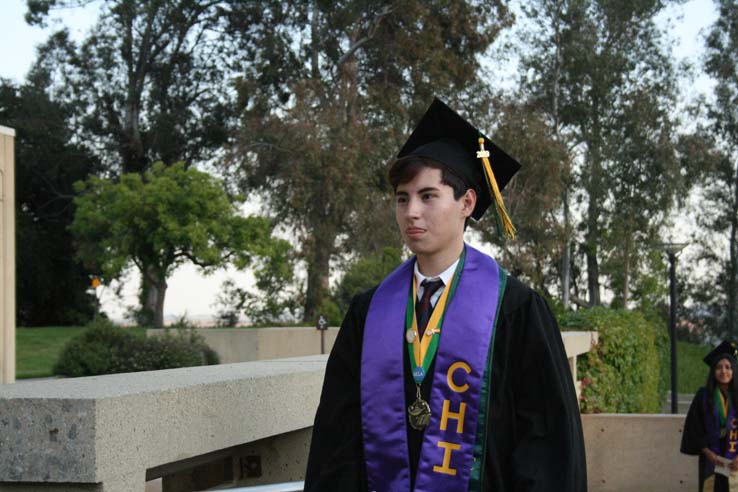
{"x": 414, "y": 231}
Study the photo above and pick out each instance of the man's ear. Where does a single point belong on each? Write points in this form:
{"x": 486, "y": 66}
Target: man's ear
{"x": 468, "y": 202}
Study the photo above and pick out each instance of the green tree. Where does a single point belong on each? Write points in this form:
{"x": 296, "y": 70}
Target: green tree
{"x": 602, "y": 73}
{"x": 148, "y": 83}
{"x": 722, "y": 64}
{"x": 364, "y": 273}
{"x": 51, "y": 284}
{"x": 533, "y": 198}
{"x": 329, "y": 93}
{"x": 277, "y": 299}
{"x": 158, "y": 221}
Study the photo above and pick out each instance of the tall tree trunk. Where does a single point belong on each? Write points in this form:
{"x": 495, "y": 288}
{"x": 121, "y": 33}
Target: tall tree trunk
{"x": 566, "y": 257}
{"x": 318, "y": 274}
{"x": 593, "y": 233}
{"x": 153, "y": 291}
{"x": 134, "y": 159}
{"x": 733, "y": 262}
{"x": 155, "y": 302}
{"x": 315, "y": 46}
{"x": 626, "y": 272}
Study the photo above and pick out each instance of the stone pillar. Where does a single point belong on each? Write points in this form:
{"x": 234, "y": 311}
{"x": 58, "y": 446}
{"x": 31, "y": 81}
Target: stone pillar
{"x": 7, "y": 255}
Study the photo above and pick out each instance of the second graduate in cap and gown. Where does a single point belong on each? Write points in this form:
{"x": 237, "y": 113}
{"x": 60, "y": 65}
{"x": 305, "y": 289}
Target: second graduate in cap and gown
{"x": 711, "y": 427}
{"x": 482, "y": 398}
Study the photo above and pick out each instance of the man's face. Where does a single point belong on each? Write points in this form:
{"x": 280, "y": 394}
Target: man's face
{"x": 430, "y": 219}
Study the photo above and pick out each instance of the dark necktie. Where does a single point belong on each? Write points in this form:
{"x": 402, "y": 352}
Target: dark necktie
{"x": 423, "y": 308}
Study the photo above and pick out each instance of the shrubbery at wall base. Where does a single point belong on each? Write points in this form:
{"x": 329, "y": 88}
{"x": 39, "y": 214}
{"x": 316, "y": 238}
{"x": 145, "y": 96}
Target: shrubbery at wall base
{"x": 627, "y": 371}
{"x": 104, "y": 348}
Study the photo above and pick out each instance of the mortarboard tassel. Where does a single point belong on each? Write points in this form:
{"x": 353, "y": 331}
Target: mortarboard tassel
{"x": 502, "y": 215}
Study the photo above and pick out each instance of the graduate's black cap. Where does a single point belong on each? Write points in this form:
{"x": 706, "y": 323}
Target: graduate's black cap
{"x": 726, "y": 350}
{"x": 446, "y": 137}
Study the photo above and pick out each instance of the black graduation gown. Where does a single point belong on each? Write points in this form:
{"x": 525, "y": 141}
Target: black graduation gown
{"x": 534, "y": 433}
{"x": 693, "y": 440}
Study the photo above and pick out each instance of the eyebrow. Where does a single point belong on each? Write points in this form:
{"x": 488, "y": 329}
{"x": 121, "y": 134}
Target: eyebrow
{"x": 421, "y": 191}
{"x": 427, "y": 189}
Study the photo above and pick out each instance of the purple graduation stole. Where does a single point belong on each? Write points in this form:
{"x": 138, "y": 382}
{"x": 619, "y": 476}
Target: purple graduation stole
{"x": 713, "y": 428}
{"x": 447, "y": 452}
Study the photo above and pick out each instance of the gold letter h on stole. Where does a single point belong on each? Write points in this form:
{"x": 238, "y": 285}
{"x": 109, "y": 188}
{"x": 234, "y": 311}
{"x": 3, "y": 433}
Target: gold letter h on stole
{"x": 446, "y": 414}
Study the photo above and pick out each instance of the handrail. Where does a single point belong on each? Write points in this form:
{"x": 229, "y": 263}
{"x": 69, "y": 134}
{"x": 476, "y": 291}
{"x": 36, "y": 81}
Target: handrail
{"x": 274, "y": 487}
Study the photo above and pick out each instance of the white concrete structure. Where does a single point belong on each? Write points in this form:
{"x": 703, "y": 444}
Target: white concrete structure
{"x": 637, "y": 452}
{"x": 248, "y": 344}
{"x": 246, "y": 424}
{"x": 7, "y": 255}
{"x": 110, "y": 430}
{"x": 577, "y": 343}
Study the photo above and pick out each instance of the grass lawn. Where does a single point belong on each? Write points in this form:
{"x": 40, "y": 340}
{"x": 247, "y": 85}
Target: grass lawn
{"x": 38, "y": 348}
{"x": 691, "y": 371}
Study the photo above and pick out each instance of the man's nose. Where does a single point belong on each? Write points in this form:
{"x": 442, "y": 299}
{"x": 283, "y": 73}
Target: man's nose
{"x": 413, "y": 208}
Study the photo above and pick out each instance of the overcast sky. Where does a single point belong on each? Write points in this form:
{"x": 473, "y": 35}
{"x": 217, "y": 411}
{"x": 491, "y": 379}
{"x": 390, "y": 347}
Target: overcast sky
{"x": 190, "y": 293}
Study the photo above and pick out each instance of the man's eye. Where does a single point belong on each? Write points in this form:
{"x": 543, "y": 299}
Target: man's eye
{"x": 427, "y": 196}
{"x": 400, "y": 199}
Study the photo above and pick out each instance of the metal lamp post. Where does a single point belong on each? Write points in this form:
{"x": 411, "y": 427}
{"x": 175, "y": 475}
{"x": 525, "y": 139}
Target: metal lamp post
{"x": 672, "y": 249}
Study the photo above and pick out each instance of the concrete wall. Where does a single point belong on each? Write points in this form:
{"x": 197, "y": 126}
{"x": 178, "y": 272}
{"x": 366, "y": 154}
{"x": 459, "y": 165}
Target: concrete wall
{"x": 104, "y": 433}
{"x": 631, "y": 452}
{"x": 195, "y": 427}
{"x": 7, "y": 255}
{"x": 248, "y": 344}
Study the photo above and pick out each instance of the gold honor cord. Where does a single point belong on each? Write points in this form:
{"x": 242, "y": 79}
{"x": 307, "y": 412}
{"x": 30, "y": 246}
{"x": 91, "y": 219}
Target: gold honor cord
{"x": 507, "y": 224}
{"x": 420, "y": 348}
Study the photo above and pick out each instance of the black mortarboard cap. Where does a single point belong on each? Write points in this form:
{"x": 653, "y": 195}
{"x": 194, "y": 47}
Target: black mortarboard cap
{"x": 446, "y": 137}
{"x": 726, "y": 350}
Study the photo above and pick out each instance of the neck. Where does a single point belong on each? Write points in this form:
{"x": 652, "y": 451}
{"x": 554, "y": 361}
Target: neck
{"x": 433, "y": 265}
{"x": 723, "y": 387}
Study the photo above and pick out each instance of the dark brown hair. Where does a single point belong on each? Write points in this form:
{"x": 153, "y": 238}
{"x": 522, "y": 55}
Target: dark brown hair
{"x": 404, "y": 170}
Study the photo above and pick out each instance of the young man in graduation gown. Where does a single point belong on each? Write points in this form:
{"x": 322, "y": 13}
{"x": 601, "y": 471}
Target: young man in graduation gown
{"x": 450, "y": 375}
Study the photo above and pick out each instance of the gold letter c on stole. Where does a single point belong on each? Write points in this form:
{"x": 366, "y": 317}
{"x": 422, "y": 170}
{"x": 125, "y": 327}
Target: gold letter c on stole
{"x": 450, "y": 376}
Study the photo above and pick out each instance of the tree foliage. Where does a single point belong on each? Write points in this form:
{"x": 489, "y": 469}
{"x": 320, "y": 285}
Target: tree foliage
{"x": 722, "y": 191}
{"x": 158, "y": 221}
{"x": 533, "y": 198}
{"x": 322, "y": 97}
{"x": 602, "y": 73}
{"x": 51, "y": 284}
{"x": 147, "y": 83}
{"x": 276, "y": 300}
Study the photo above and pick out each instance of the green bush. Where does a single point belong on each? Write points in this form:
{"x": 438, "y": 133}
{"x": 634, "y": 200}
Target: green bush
{"x": 104, "y": 348}
{"x": 626, "y": 371}
{"x": 180, "y": 348}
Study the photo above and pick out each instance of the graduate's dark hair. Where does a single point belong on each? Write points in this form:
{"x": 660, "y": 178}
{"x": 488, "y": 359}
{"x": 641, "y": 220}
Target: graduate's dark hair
{"x": 712, "y": 383}
{"x": 404, "y": 170}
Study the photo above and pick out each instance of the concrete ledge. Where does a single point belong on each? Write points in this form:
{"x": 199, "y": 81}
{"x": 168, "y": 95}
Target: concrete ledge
{"x": 104, "y": 433}
{"x": 111, "y": 429}
{"x": 629, "y": 452}
{"x": 248, "y": 344}
{"x": 4, "y": 130}
{"x": 578, "y": 342}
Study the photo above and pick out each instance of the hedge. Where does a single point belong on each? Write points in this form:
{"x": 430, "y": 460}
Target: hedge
{"x": 104, "y": 348}
{"x": 627, "y": 371}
